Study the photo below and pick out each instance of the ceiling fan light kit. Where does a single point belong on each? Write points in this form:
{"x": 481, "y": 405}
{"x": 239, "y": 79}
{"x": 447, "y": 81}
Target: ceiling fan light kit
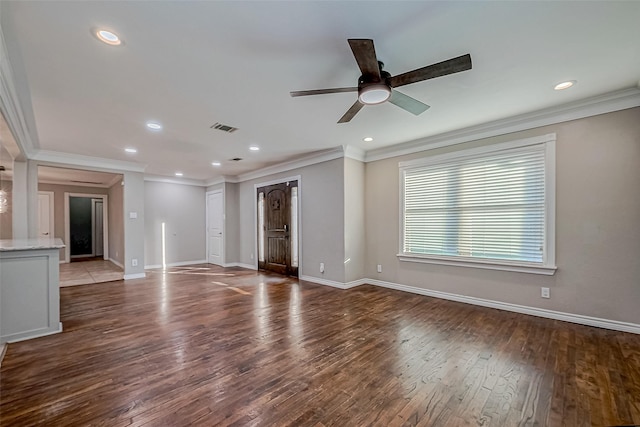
{"x": 374, "y": 94}
{"x": 376, "y": 86}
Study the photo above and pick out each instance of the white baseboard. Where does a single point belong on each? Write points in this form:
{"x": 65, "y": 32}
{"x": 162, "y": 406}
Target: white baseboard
{"x": 334, "y": 283}
{"x": 37, "y": 333}
{"x": 177, "y": 264}
{"x": 3, "y": 350}
{"x": 241, "y": 265}
{"x": 134, "y": 276}
{"x": 115, "y": 262}
{"x": 533, "y": 311}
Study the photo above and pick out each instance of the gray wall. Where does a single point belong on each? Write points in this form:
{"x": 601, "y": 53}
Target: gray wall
{"x": 354, "y": 224}
{"x": 182, "y": 209}
{"x": 321, "y": 218}
{"x": 232, "y": 222}
{"x": 597, "y": 225}
{"x": 116, "y": 223}
{"x": 134, "y": 201}
{"x": 58, "y": 205}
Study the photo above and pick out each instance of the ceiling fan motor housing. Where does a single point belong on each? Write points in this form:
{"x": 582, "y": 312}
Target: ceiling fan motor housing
{"x": 372, "y": 90}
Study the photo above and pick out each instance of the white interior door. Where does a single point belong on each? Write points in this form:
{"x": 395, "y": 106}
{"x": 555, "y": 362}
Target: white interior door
{"x": 45, "y": 214}
{"x": 215, "y": 245}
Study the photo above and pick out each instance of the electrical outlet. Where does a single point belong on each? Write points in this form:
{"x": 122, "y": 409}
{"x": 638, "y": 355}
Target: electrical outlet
{"x": 134, "y": 262}
{"x": 379, "y": 268}
{"x": 322, "y": 267}
{"x": 251, "y": 256}
{"x": 544, "y": 293}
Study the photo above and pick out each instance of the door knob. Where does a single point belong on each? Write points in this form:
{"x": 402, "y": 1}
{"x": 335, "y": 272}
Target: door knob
{"x": 46, "y": 234}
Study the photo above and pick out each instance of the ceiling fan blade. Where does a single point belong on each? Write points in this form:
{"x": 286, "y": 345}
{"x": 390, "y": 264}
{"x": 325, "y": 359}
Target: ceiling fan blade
{"x": 357, "y": 106}
{"x": 408, "y": 103}
{"x": 366, "y": 58}
{"x": 450, "y": 66}
{"x": 323, "y": 91}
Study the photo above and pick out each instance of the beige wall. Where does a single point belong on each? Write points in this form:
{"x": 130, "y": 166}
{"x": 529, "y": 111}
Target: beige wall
{"x": 597, "y": 225}
{"x": 6, "y": 223}
{"x": 116, "y": 222}
{"x": 182, "y": 209}
{"x": 58, "y": 205}
{"x": 354, "y": 225}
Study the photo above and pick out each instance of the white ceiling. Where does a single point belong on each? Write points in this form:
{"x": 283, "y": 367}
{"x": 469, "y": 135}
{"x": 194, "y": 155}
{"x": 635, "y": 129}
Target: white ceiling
{"x": 83, "y": 178}
{"x": 189, "y": 65}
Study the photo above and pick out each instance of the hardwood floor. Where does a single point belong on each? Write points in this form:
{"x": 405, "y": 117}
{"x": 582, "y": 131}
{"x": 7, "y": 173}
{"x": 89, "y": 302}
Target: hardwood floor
{"x": 212, "y": 346}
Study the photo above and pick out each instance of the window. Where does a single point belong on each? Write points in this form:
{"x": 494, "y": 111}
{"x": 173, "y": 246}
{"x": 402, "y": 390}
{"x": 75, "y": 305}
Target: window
{"x": 489, "y": 207}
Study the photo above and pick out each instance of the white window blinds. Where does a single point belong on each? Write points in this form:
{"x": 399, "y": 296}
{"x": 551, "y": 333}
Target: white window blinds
{"x": 489, "y": 207}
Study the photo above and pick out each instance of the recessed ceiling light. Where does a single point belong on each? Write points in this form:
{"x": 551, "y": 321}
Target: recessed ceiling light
{"x": 216, "y": 163}
{"x": 108, "y": 37}
{"x": 367, "y": 139}
{"x": 179, "y": 174}
{"x": 254, "y": 148}
{"x": 564, "y": 85}
{"x": 154, "y": 125}
{"x": 130, "y": 150}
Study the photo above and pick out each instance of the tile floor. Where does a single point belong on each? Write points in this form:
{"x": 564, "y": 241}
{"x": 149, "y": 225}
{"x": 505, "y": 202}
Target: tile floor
{"x": 86, "y": 272}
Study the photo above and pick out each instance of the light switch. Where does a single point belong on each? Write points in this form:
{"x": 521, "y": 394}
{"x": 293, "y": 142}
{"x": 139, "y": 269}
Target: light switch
{"x": 133, "y": 215}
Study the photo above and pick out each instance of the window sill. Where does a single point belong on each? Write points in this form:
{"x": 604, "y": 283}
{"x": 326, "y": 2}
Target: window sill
{"x": 487, "y": 265}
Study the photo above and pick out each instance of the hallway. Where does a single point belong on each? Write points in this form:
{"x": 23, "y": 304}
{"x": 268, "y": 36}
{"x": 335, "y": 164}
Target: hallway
{"x": 87, "y": 272}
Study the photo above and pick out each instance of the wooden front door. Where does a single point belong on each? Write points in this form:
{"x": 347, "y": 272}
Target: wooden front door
{"x": 277, "y": 225}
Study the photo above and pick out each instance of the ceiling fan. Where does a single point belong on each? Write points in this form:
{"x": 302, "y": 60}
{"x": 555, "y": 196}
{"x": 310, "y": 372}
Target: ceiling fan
{"x": 376, "y": 86}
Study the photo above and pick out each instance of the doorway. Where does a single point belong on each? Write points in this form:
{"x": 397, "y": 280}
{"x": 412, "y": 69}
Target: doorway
{"x": 86, "y": 226}
{"x": 45, "y": 214}
{"x": 215, "y": 226}
{"x": 278, "y": 227}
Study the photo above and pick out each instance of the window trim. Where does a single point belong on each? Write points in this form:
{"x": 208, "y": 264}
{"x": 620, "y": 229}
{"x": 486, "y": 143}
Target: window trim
{"x": 548, "y": 265}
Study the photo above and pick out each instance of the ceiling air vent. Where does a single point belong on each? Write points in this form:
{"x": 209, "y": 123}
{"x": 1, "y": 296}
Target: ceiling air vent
{"x": 224, "y": 128}
{"x": 236, "y": 159}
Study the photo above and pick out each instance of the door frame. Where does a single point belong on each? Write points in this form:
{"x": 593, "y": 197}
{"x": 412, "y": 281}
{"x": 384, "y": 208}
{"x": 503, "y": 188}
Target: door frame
{"x": 52, "y": 222}
{"x": 93, "y": 224}
{"x": 255, "y": 216}
{"x": 105, "y": 223}
{"x": 224, "y": 225}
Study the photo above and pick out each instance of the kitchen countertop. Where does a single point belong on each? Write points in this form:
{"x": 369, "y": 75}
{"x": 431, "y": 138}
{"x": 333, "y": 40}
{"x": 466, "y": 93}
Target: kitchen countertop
{"x": 28, "y": 244}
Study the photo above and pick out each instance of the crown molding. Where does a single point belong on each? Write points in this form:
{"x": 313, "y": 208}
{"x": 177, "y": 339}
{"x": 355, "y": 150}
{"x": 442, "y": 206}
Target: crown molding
{"x": 55, "y": 158}
{"x": 354, "y": 153}
{"x": 222, "y": 179}
{"x": 312, "y": 159}
{"x": 10, "y": 105}
{"x": 607, "y": 103}
{"x": 71, "y": 184}
{"x": 179, "y": 181}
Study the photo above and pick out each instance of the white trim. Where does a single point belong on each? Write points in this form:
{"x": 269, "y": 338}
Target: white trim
{"x": 23, "y": 336}
{"x": 480, "y": 263}
{"x": 297, "y": 178}
{"x": 602, "y": 104}
{"x": 71, "y": 184}
{"x": 239, "y": 264}
{"x": 3, "y": 351}
{"x": 522, "y": 309}
{"x": 114, "y": 262}
{"x": 354, "y": 153}
{"x": 11, "y": 108}
{"x": 334, "y": 153}
{"x": 179, "y": 181}
{"x": 224, "y": 224}
{"x": 105, "y": 223}
{"x": 134, "y": 276}
{"x": 55, "y": 158}
{"x": 176, "y": 264}
{"x": 325, "y": 282}
{"x": 221, "y": 180}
